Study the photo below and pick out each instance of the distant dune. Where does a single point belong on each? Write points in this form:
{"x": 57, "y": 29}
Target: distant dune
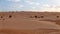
{"x": 29, "y": 23}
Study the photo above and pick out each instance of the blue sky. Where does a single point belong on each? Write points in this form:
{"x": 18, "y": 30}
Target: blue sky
{"x": 29, "y": 5}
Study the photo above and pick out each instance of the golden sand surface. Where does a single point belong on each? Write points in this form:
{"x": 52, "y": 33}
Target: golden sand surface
{"x": 29, "y": 23}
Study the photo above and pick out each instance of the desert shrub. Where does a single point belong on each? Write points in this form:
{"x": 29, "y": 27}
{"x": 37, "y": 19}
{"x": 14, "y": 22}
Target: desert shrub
{"x": 57, "y": 16}
{"x": 42, "y": 16}
{"x": 1, "y": 16}
{"x": 10, "y": 16}
{"x": 35, "y": 16}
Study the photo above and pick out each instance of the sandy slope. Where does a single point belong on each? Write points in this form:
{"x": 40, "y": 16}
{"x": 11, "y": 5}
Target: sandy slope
{"x": 21, "y": 23}
{"x": 30, "y": 24}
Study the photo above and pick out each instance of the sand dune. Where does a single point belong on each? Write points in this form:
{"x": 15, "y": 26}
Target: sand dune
{"x": 29, "y": 23}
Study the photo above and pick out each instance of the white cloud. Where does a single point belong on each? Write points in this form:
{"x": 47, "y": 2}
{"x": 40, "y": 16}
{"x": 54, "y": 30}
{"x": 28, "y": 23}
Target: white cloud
{"x": 15, "y": 7}
{"x": 32, "y": 3}
{"x": 37, "y": 3}
{"x": 37, "y": 6}
{"x": 33, "y": 7}
{"x": 18, "y": 6}
{"x": 21, "y": 6}
{"x": 51, "y": 8}
{"x": 46, "y": 5}
{"x": 14, "y": 0}
{"x": 29, "y": 2}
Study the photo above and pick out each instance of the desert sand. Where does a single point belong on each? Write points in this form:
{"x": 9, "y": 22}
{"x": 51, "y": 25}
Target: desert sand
{"x": 29, "y": 23}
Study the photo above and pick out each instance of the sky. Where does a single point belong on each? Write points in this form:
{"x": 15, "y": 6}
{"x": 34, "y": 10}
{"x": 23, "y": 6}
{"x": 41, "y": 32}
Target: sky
{"x": 29, "y": 5}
